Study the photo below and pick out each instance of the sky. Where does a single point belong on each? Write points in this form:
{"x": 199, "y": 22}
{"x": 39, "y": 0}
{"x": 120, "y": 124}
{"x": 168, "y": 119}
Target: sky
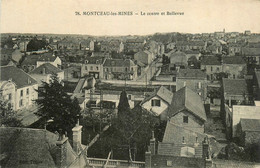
{"x": 58, "y": 16}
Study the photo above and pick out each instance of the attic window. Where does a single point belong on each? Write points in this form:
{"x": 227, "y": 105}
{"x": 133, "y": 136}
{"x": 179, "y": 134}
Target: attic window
{"x": 185, "y": 119}
{"x": 156, "y": 103}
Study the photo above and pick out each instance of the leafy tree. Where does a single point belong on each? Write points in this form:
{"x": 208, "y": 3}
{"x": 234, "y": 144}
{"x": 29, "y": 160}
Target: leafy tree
{"x": 8, "y": 116}
{"x": 35, "y": 45}
{"x": 57, "y": 105}
{"x": 193, "y": 62}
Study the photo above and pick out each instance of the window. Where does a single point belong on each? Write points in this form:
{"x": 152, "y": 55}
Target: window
{"x": 185, "y": 119}
{"x": 21, "y": 103}
{"x": 27, "y": 91}
{"x": 183, "y": 140}
{"x": 126, "y": 69}
{"x": 169, "y": 163}
{"x": 97, "y": 68}
{"x": 132, "y": 69}
{"x": 86, "y": 68}
{"x": 129, "y": 97}
{"x": 196, "y": 139}
{"x": 21, "y": 93}
{"x": 91, "y": 68}
{"x": 10, "y": 96}
{"x": 211, "y": 68}
{"x": 156, "y": 103}
{"x": 217, "y": 68}
{"x": 199, "y": 85}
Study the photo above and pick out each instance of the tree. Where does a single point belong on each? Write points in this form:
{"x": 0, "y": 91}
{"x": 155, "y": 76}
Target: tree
{"x": 193, "y": 62}
{"x": 123, "y": 106}
{"x": 35, "y": 45}
{"x": 8, "y": 116}
{"x": 57, "y": 105}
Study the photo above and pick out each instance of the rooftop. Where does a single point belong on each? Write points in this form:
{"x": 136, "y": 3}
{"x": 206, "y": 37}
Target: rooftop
{"x": 48, "y": 68}
{"x": 118, "y": 63}
{"x": 18, "y": 76}
{"x": 191, "y": 73}
{"x": 233, "y": 60}
{"x": 235, "y": 86}
{"x": 185, "y": 98}
{"x": 250, "y": 124}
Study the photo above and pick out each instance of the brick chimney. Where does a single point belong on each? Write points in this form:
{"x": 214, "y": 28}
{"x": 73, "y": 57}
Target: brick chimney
{"x": 61, "y": 154}
{"x": 77, "y": 137}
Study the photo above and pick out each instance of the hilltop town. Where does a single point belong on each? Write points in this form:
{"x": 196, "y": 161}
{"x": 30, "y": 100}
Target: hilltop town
{"x": 161, "y": 100}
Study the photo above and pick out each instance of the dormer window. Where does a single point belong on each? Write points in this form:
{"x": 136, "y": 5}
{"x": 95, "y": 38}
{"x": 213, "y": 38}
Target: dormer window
{"x": 156, "y": 103}
{"x": 185, "y": 119}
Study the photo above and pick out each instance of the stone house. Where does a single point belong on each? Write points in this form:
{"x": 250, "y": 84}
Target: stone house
{"x": 235, "y": 67}
{"x": 158, "y": 102}
{"x": 94, "y": 67}
{"x": 249, "y": 131}
{"x": 195, "y": 79}
{"x": 145, "y": 57}
{"x": 211, "y": 65}
{"x": 18, "y": 87}
{"x": 123, "y": 69}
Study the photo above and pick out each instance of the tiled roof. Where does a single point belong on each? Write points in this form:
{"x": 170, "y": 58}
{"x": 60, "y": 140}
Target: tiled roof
{"x": 185, "y": 98}
{"x": 250, "y": 124}
{"x": 191, "y": 73}
{"x": 18, "y": 76}
{"x": 49, "y": 69}
{"x": 118, "y": 63}
{"x": 233, "y": 60}
{"x": 210, "y": 60}
{"x": 163, "y": 93}
{"x": 235, "y": 86}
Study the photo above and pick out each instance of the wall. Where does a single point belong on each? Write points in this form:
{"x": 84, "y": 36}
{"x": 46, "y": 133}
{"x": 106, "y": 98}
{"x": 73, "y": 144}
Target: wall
{"x": 158, "y": 110}
{"x": 193, "y": 124}
{"x": 26, "y": 98}
{"x": 193, "y": 84}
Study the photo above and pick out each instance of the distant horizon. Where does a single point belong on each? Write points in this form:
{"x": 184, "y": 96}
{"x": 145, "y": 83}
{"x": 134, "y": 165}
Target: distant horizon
{"x": 132, "y": 34}
{"x": 60, "y": 17}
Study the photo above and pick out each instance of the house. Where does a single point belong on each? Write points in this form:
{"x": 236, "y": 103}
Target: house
{"x": 49, "y": 58}
{"x": 234, "y": 49}
{"x": 187, "y": 110}
{"x": 158, "y": 102}
{"x": 191, "y": 45}
{"x": 184, "y": 143}
{"x": 124, "y": 69}
{"x": 211, "y": 65}
{"x": 94, "y": 67}
{"x": 134, "y": 45}
{"x": 252, "y": 52}
{"x": 16, "y": 56}
{"x": 235, "y": 67}
{"x": 18, "y": 87}
{"x": 44, "y": 72}
{"x": 249, "y": 131}
{"x": 178, "y": 60}
{"x": 30, "y": 62}
{"x": 195, "y": 79}
{"x": 27, "y": 147}
{"x": 145, "y": 57}
{"x": 234, "y": 92}
{"x": 243, "y": 112}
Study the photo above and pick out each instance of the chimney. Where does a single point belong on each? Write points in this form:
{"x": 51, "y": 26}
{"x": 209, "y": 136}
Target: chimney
{"x": 77, "y": 137}
{"x": 61, "y": 151}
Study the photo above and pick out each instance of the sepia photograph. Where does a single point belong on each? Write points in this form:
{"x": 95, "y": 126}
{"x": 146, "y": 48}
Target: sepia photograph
{"x": 130, "y": 84}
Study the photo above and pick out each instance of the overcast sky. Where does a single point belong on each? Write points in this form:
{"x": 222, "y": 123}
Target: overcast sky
{"x": 58, "y": 16}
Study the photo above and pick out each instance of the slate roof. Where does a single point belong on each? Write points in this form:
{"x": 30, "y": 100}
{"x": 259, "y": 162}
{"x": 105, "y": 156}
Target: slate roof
{"x": 18, "y": 76}
{"x": 31, "y": 60}
{"x": 235, "y": 86}
{"x": 25, "y": 147}
{"x": 49, "y": 69}
{"x": 250, "y": 124}
{"x": 118, "y": 63}
{"x": 163, "y": 93}
{"x": 191, "y": 73}
{"x": 233, "y": 60}
{"x": 210, "y": 60}
{"x": 47, "y": 57}
{"x": 185, "y": 98}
